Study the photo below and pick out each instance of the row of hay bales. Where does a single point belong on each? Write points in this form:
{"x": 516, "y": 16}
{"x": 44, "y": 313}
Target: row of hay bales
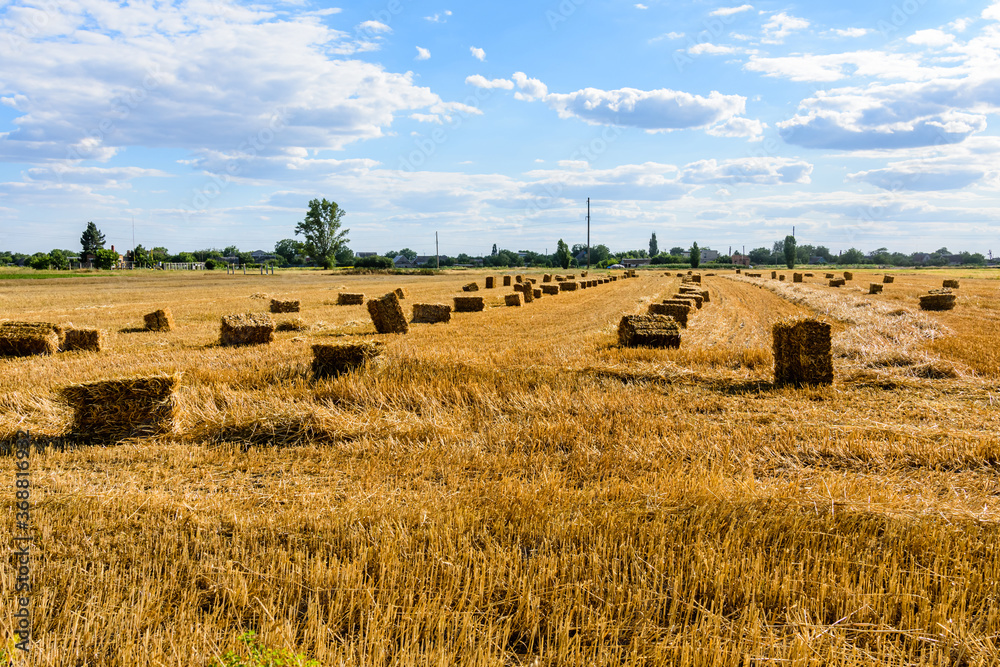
{"x": 661, "y": 325}
{"x": 25, "y": 339}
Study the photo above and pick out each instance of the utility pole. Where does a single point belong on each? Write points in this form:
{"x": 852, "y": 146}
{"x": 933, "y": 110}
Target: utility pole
{"x": 437, "y": 251}
{"x": 588, "y": 233}
{"x": 133, "y": 241}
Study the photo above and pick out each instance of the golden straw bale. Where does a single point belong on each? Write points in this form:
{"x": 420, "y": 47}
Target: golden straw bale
{"x": 559, "y": 278}
{"x": 546, "y": 277}
{"x": 296, "y": 324}
{"x": 512, "y": 299}
{"x": 888, "y": 279}
{"x": 24, "y": 339}
{"x": 519, "y": 278}
{"x": 937, "y": 301}
{"x": 347, "y": 299}
{"x": 693, "y": 296}
{"x": 739, "y": 271}
{"x": 490, "y": 282}
{"x": 507, "y": 281}
{"x": 951, "y": 284}
{"x": 583, "y": 274}
{"x": 679, "y": 312}
{"x": 246, "y": 329}
{"x": 569, "y": 286}
{"x": 774, "y": 274}
{"x": 431, "y": 313}
{"x": 829, "y": 276}
{"x": 332, "y": 360}
{"x": 571, "y": 276}
{"x": 875, "y": 288}
{"x": 387, "y": 314}
{"x": 278, "y": 306}
{"x": 88, "y": 340}
{"x": 584, "y": 284}
{"x": 536, "y": 293}
{"x": 550, "y": 289}
{"x": 649, "y": 331}
{"x": 400, "y": 293}
{"x": 110, "y": 410}
{"x": 680, "y": 275}
{"x": 848, "y": 275}
{"x": 802, "y": 352}
{"x": 161, "y": 320}
{"x": 781, "y": 277}
{"x": 838, "y": 282}
{"x": 469, "y": 304}
{"x": 471, "y": 287}
{"x": 796, "y": 277}
{"x": 808, "y": 275}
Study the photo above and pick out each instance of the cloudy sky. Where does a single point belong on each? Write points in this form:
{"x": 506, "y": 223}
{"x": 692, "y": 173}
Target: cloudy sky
{"x": 214, "y": 122}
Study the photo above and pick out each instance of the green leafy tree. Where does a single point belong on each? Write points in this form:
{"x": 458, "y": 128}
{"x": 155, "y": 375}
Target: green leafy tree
{"x": 373, "y": 262}
{"x": 654, "y": 249}
{"x": 852, "y": 256}
{"x": 159, "y": 254}
{"x": 230, "y": 251}
{"x": 209, "y": 264}
{"x": 677, "y": 250}
{"x": 759, "y": 255}
{"x": 183, "y": 258}
{"x": 344, "y": 256}
{"x": 92, "y": 239}
{"x": 562, "y": 255}
{"x": 40, "y": 261}
{"x": 289, "y": 249}
{"x": 106, "y": 259}
{"x": 789, "y": 250}
{"x": 322, "y": 231}
{"x": 59, "y": 259}
{"x": 695, "y": 255}
{"x": 463, "y": 258}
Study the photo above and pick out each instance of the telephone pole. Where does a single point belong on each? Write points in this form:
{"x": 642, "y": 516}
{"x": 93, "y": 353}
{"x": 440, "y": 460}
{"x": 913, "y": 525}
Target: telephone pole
{"x": 588, "y": 233}
{"x": 437, "y": 251}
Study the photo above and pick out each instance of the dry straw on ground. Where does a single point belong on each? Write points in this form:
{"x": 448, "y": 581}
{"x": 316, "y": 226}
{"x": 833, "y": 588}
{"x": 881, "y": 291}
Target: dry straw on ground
{"x": 160, "y": 320}
{"x": 349, "y": 299}
{"x": 802, "y": 352}
{"x": 649, "y": 331}
{"x": 87, "y": 340}
{"x": 333, "y": 360}
{"x": 400, "y": 293}
{"x": 940, "y": 301}
{"x": 679, "y": 313}
{"x": 512, "y": 299}
{"x": 888, "y": 279}
{"x": 875, "y": 288}
{"x": 431, "y": 313}
{"x": 694, "y": 296}
{"x": 111, "y": 410}
{"x": 24, "y": 339}
{"x": 387, "y": 314}
{"x": 950, "y": 283}
{"x": 569, "y": 286}
{"x": 469, "y": 304}
{"x": 550, "y": 289}
{"x": 246, "y": 329}
{"x": 470, "y": 287}
{"x": 279, "y": 306}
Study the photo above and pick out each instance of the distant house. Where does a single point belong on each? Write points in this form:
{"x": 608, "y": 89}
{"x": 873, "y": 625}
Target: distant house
{"x": 920, "y": 257}
{"x": 954, "y": 259}
{"x": 633, "y": 262}
{"x": 365, "y": 254}
{"x": 816, "y": 259}
{"x": 706, "y": 255}
{"x": 423, "y": 260}
{"x": 742, "y": 260}
{"x": 261, "y": 256}
{"x": 403, "y": 262}
{"x": 581, "y": 257}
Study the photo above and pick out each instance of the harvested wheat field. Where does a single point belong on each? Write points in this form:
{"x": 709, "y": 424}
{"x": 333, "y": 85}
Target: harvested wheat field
{"x": 516, "y": 488}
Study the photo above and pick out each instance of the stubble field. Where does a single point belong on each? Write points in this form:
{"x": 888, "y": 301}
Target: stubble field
{"x": 512, "y": 488}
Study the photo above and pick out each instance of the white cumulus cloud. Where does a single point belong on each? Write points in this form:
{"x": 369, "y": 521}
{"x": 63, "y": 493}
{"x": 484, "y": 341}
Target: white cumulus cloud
{"x": 422, "y": 53}
{"x": 729, "y": 11}
{"x": 480, "y": 81}
{"x": 477, "y": 53}
{"x": 780, "y": 26}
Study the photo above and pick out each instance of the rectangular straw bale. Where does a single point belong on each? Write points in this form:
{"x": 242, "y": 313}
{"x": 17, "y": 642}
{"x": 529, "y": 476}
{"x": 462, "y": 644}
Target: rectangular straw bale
{"x": 348, "y": 299}
{"x": 25, "y": 339}
{"x": 696, "y": 278}
{"x": 160, "y": 320}
{"x": 950, "y": 284}
{"x": 569, "y": 286}
{"x": 469, "y": 304}
{"x": 88, "y": 340}
{"x": 512, "y": 299}
{"x": 246, "y": 329}
{"x": 110, "y": 410}
{"x": 808, "y": 275}
{"x": 400, "y": 293}
{"x": 829, "y": 276}
{"x": 333, "y": 360}
{"x": 848, "y": 275}
{"x": 781, "y": 277}
{"x": 471, "y": 287}
{"x": 796, "y": 277}
{"x": 937, "y": 301}
{"x": 697, "y": 298}
{"x": 838, "y": 282}
{"x": 431, "y": 313}
{"x": 519, "y": 278}
{"x": 550, "y": 289}
{"x": 278, "y": 306}
{"x": 294, "y": 324}
{"x": 571, "y": 276}
{"x": 774, "y": 274}
{"x": 490, "y": 282}
{"x": 875, "y": 288}
{"x": 507, "y": 280}
{"x": 387, "y": 314}
{"x": 536, "y": 292}
{"x": 802, "y": 352}
{"x": 888, "y": 279}
{"x": 680, "y": 275}
{"x": 649, "y": 331}
{"x": 584, "y": 284}
{"x": 679, "y": 312}
{"x": 546, "y": 277}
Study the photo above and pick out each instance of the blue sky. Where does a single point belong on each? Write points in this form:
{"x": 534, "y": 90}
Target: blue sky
{"x": 211, "y": 123}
